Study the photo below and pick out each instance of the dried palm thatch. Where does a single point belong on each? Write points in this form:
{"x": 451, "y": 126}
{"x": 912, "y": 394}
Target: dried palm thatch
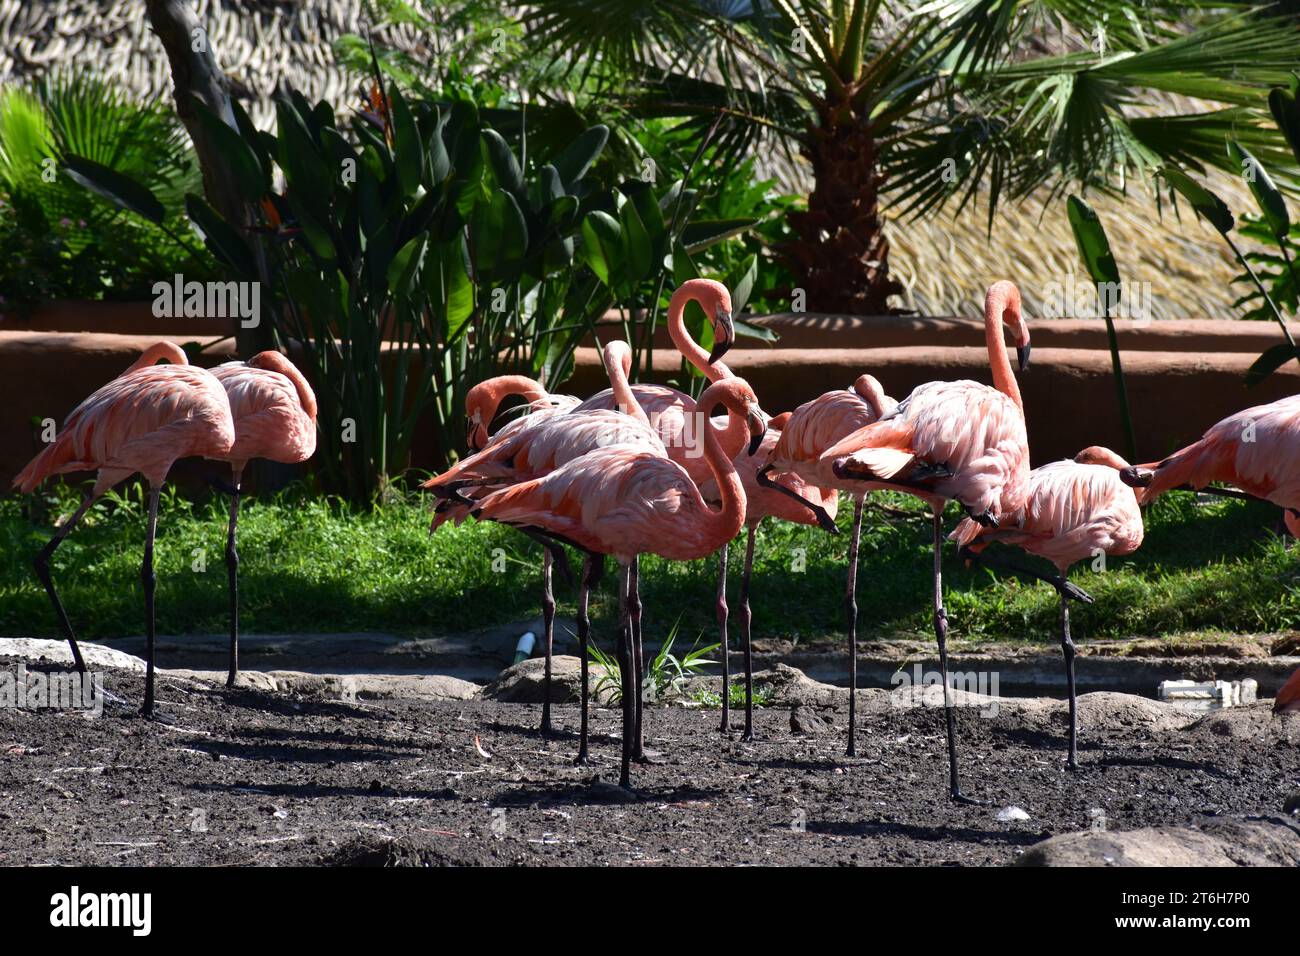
{"x": 942, "y": 262}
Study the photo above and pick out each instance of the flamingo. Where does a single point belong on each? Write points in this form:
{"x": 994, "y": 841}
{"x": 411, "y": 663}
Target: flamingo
{"x": 142, "y": 421}
{"x": 627, "y": 502}
{"x": 483, "y": 400}
{"x": 1288, "y": 698}
{"x": 274, "y": 411}
{"x": 960, "y": 441}
{"x": 520, "y": 454}
{"x": 788, "y": 498}
{"x": 1074, "y": 510}
{"x": 670, "y": 411}
{"x": 1257, "y": 450}
{"x": 814, "y": 427}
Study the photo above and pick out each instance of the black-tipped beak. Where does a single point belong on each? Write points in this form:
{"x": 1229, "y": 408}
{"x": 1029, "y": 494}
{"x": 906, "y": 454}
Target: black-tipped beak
{"x": 757, "y": 429}
{"x": 1022, "y": 354}
{"x": 1136, "y": 477}
{"x": 724, "y": 334}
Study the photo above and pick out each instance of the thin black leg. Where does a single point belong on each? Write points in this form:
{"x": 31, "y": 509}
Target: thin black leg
{"x": 43, "y": 573}
{"x": 584, "y": 634}
{"x": 149, "y": 581}
{"x": 626, "y": 675}
{"x": 723, "y": 639}
{"x": 745, "y": 620}
{"x": 638, "y": 659}
{"x": 548, "y": 637}
{"x": 1068, "y": 649}
{"x": 941, "y": 636}
{"x": 232, "y": 578}
{"x": 823, "y": 516}
{"x": 851, "y": 610}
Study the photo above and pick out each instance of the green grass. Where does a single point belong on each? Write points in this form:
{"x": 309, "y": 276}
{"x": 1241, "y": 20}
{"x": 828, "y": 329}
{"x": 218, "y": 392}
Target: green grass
{"x": 311, "y": 564}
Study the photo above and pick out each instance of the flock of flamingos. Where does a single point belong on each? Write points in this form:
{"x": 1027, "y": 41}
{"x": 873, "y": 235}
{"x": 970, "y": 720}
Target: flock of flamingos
{"x": 622, "y": 474}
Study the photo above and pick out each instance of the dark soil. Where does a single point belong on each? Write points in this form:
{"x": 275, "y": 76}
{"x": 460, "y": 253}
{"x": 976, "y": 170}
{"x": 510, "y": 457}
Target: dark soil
{"x": 243, "y": 777}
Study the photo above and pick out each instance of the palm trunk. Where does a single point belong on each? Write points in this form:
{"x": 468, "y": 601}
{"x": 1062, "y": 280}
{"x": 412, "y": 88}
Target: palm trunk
{"x": 840, "y": 257}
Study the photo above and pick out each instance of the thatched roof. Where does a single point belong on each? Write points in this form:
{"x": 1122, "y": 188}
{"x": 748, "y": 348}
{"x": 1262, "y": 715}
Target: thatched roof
{"x": 944, "y": 264}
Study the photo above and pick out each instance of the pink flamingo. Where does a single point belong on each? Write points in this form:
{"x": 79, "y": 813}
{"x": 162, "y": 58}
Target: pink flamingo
{"x": 788, "y": 498}
{"x": 483, "y": 400}
{"x": 1257, "y": 450}
{"x": 143, "y": 421}
{"x": 274, "y": 410}
{"x": 814, "y": 427}
{"x": 627, "y": 502}
{"x": 946, "y": 441}
{"x": 1288, "y": 698}
{"x": 520, "y": 454}
{"x": 670, "y": 411}
{"x": 1074, "y": 510}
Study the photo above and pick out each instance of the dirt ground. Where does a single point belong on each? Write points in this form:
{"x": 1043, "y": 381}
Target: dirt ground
{"x": 247, "y": 777}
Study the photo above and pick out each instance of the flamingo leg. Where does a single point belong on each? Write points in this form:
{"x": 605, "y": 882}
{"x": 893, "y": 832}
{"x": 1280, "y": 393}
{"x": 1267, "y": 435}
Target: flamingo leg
{"x": 638, "y": 659}
{"x": 150, "y": 581}
{"x": 745, "y": 619}
{"x": 232, "y": 577}
{"x": 722, "y": 637}
{"x": 43, "y": 573}
{"x": 941, "y": 637}
{"x": 625, "y": 674}
{"x": 548, "y": 637}
{"x": 591, "y": 565}
{"x": 851, "y": 610}
{"x": 823, "y": 516}
{"x": 1068, "y": 649}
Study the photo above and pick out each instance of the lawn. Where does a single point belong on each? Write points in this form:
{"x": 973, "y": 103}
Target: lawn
{"x": 312, "y": 564}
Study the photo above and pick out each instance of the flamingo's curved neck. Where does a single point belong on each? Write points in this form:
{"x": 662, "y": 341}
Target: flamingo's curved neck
{"x": 496, "y": 390}
{"x": 725, "y": 523}
{"x": 689, "y": 348}
{"x": 275, "y": 362}
{"x": 1004, "y": 380}
{"x": 172, "y": 352}
{"x": 618, "y": 366}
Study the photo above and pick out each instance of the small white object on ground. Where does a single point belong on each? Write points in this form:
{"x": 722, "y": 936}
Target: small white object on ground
{"x": 1012, "y": 814}
{"x": 524, "y": 649}
{"x": 1209, "y": 695}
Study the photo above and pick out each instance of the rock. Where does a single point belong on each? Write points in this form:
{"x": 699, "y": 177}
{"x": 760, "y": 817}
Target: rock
{"x": 1255, "y": 722}
{"x": 523, "y": 683}
{"x": 806, "y": 722}
{"x": 791, "y": 687}
{"x": 1271, "y": 841}
{"x": 58, "y": 652}
{"x": 1012, "y": 814}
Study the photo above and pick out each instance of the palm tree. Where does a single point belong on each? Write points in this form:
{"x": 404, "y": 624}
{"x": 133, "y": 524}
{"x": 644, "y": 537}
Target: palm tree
{"x": 923, "y": 103}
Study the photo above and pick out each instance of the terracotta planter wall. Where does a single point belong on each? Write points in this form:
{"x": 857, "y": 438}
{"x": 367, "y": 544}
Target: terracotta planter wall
{"x": 1182, "y": 376}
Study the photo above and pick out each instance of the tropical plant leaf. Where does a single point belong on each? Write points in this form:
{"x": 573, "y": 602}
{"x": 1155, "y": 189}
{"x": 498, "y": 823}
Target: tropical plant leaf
{"x": 119, "y": 189}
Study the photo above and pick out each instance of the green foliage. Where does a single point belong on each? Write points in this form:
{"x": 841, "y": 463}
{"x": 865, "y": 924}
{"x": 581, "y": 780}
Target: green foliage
{"x": 664, "y": 673}
{"x": 958, "y": 95}
{"x": 65, "y": 242}
{"x": 418, "y": 251}
{"x": 1216, "y": 566}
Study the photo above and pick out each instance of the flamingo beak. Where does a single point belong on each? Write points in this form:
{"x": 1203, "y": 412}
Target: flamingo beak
{"x": 757, "y": 422}
{"x": 724, "y": 334}
{"x": 1136, "y": 477}
{"x": 1022, "y": 354}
